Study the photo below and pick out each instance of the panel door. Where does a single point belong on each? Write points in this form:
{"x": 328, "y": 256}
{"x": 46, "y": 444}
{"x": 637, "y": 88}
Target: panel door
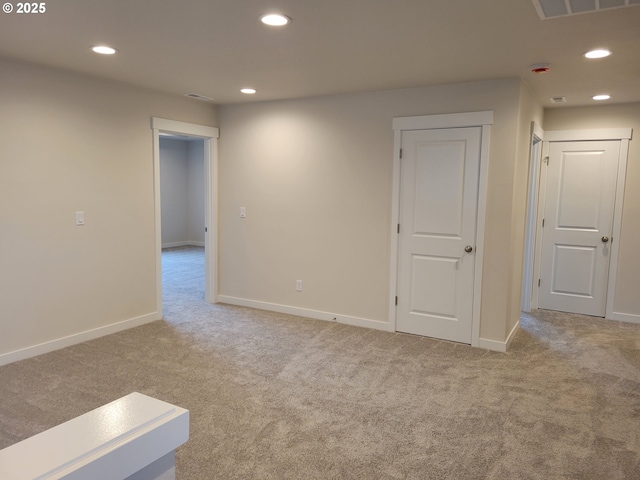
{"x": 439, "y": 173}
{"x": 578, "y": 220}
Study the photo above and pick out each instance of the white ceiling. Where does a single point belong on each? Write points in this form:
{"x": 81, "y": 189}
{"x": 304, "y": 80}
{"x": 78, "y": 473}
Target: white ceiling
{"x": 216, "y": 47}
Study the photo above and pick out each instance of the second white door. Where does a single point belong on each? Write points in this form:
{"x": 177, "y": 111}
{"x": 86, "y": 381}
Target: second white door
{"x": 439, "y": 173}
{"x": 578, "y": 221}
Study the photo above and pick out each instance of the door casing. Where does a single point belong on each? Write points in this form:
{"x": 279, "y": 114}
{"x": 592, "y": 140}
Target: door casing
{"x": 620, "y": 134}
{"x": 210, "y": 136}
{"x": 426, "y": 122}
{"x": 535, "y": 159}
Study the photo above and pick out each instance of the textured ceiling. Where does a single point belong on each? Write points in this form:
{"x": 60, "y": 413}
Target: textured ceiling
{"x": 216, "y": 47}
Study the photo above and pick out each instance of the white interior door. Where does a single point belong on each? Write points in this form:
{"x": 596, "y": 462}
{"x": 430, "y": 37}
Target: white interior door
{"x": 439, "y": 175}
{"x": 578, "y": 225}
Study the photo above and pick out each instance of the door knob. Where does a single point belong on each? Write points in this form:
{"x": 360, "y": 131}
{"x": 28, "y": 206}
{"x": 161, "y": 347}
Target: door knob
{"x": 605, "y": 239}
{"x": 468, "y": 248}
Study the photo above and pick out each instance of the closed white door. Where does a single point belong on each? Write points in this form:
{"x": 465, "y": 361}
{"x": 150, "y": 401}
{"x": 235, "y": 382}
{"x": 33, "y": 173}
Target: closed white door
{"x": 578, "y": 221}
{"x": 439, "y": 173}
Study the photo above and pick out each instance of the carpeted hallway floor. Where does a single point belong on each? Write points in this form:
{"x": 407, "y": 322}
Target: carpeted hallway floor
{"x": 274, "y": 396}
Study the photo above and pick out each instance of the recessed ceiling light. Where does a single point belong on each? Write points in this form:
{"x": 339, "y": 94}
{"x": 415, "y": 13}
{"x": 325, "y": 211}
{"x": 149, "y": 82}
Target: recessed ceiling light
{"x": 275, "y": 19}
{"x": 601, "y": 97}
{"x": 600, "y": 53}
{"x": 103, "y": 49}
{"x": 248, "y": 91}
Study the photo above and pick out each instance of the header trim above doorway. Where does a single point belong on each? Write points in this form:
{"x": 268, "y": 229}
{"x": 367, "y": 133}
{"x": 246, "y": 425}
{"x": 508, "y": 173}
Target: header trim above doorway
{"x": 448, "y": 120}
{"x": 191, "y": 129}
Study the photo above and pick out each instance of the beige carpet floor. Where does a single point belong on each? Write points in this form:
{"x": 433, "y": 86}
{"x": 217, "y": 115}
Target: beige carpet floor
{"x": 275, "y": 396}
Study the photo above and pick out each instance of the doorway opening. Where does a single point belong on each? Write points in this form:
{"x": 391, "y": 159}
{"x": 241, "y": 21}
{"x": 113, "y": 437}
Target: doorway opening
{"x": 571, "y": 271}
{"x": 182, "y": 211}
{"x": 170, "y": 138}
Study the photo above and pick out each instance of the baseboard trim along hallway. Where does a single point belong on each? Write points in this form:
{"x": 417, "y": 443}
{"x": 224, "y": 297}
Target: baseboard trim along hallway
{"x": 308, "y": 313}
{"x": 493, "y": 345}
{"x": 76, "y": 338}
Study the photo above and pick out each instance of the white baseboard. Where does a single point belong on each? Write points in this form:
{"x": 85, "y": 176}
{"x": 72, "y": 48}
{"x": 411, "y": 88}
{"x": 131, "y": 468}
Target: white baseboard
{"x": 188, "y": 243}
{"x": 497, "y": 346}
{"x": 625, "y": 317}
{"x": 308, "y": 313}
{"x": 76, "y": 338}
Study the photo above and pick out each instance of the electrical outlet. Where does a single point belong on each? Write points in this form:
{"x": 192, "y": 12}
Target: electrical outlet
{"x": 298, "y": 285}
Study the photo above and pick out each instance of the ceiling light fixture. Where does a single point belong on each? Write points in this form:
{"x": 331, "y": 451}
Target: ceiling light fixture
{"x": 248, "y": 91}
{"x": 275, "y": 19}
{"x": 599, "y": 53}
{"x": 601, "y": 97}
{"x": 103, "y": 49}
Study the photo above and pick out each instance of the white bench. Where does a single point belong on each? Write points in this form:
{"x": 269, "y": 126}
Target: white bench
{"x": 132, "y": 438}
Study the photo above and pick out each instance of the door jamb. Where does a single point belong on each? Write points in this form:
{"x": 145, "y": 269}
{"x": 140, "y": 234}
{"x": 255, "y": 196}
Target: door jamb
{"x": 426, "y": 122}
{"x": 210, "y": 136}
{"x": 535, "y": 158}
{"x": 623, "y": 135}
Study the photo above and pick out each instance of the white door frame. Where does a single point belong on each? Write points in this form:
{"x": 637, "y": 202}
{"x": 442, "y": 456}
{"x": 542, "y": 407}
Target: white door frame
{"x": 427, "y": 122}
{"x": 623, "y": 135}
{"x": 535, "y": 155}
{"x": 210, "y": 136}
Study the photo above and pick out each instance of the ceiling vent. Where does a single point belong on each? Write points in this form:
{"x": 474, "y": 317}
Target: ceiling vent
{"x": 562, "y": 8}
{"x": 197, "y": 96}
{"x": 558, "y": 99}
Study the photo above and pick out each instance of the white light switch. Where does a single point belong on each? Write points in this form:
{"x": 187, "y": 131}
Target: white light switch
{"x": 298, "y": 285}
{"x": 79, "y": 218}
{"x": 243, "y": 212}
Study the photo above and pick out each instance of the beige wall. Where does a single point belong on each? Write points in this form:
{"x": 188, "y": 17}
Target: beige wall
{"x": 196, "y": 195}
{"x": 315, "y": 176}
{"x": 69, "y": 143}
{"x": 182, "y": 191}
{"x": 530, "y": 111}
{"x": 627, "y": 300}
{"x": 174, "y": 191}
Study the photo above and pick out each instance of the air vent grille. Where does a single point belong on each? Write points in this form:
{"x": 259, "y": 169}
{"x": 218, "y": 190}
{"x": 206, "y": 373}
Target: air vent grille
{"x": 197, "y": 96}
{"x": 558, "y": 99}
{"x": 562, "y": 8}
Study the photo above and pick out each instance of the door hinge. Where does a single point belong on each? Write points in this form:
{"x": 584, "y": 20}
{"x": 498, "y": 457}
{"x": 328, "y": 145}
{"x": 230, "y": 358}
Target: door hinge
{"x": 400, "y": 153}
{"x": 538, "y": 282}
{"x": 546, "y": 160}
{"x": 396, "y": 300}
{"x": 398, "y": 228}
{"x": 543, "y": 223}
{"x": 205, "y": 230}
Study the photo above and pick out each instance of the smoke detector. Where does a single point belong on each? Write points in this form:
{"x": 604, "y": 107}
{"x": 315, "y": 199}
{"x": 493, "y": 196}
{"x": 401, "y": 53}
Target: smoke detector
{"x": 540, "y": 67}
